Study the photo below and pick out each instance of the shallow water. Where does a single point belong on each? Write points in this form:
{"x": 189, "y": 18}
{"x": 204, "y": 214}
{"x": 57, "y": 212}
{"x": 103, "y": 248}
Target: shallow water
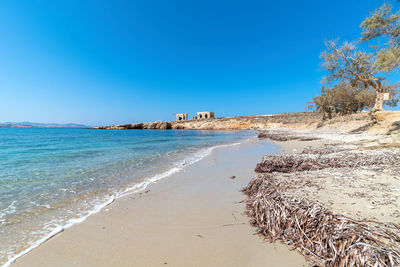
{"x": 51, "y": 178}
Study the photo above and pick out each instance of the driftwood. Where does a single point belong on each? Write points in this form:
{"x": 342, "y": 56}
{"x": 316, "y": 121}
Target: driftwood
{"x": 325, "y": 238}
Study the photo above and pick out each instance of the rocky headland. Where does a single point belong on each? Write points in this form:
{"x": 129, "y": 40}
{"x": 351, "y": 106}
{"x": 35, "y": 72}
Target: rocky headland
{"x": 229, "y": 123}
{"x": 384, "y": 122}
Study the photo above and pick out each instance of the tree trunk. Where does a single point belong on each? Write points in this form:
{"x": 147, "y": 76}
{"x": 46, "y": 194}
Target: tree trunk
{"x": 378, "y": 101}
{"x": 379, "y": 96}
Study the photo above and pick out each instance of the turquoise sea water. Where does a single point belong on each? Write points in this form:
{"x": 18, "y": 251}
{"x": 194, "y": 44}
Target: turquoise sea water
{"x": 51, "y": 178}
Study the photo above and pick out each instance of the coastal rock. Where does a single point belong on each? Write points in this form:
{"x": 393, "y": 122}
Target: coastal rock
{"x": 177, "y": 127}
{"x": 162, "y": 125}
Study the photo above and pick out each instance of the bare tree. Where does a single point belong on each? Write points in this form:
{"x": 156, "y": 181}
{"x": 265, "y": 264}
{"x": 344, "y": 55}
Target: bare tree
{"x": 371, "y": 67}
{"x": 346, "y": 63}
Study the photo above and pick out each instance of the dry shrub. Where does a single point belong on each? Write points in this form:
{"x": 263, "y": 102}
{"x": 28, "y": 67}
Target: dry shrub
{"x": 326, "y": 239}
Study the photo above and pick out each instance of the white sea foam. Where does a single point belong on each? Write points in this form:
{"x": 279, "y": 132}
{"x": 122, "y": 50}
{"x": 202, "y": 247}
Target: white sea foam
{"x": 130, "y": 190}
{"x": 10, "y": 209}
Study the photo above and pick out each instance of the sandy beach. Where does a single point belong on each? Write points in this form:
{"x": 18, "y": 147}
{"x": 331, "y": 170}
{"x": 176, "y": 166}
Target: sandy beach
{"x": 192, "y": 218}
{"x": 200, "y": 133}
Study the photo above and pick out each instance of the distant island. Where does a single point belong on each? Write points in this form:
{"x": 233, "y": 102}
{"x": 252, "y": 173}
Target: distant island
{"x": 40, "y": 125}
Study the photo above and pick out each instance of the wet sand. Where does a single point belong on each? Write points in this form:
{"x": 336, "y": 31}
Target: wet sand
{"x": 192, "y": 218}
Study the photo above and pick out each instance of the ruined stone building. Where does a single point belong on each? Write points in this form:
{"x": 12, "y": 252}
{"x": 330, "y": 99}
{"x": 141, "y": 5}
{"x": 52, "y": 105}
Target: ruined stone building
{"x": 200, "y": 116}
{"x": 205, "y": 115}
{"x": 181, "y": 117}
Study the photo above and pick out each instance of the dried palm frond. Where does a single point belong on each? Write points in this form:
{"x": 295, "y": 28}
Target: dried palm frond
{"x": 284, "y": 136}
{"x": 325, "y": 238}
{"x": 305, "y": 162}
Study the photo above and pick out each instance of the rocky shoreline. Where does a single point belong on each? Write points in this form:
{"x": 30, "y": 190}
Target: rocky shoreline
{"x": 160, "y": 125}
{"x": 228, "y": 123}
{"x": 383, "y": 122}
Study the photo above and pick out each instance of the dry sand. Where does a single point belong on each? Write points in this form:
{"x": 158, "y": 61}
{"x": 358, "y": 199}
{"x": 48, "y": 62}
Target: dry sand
{"x": 192, "y": 218}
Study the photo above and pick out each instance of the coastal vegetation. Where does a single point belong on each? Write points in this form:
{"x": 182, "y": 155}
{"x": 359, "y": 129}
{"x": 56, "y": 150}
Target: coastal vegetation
{"x": 343, "y": 99}
{"x": 357, "y": 72}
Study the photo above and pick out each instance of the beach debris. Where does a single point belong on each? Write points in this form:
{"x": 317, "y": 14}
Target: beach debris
{"x": 324, "y": 150}
{"x": 325, "y": 238}
{"x": 283, "y": 136}
{"x": 234, "y": 217}
{"x": 233, "y": 177}
{"x": 232, "y": 224}
{"x": 200, "y": 236}
{"x": 305, "y": 162}
{"x": 281, "y": 210}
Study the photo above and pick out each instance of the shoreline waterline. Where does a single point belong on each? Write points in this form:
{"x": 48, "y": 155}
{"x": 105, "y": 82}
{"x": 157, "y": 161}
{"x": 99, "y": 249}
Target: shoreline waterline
{"x": 199, "y": 209}
{"x": 179, "y": 166}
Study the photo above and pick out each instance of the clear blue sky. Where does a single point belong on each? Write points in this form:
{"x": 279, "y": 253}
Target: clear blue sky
{"x": 106, "y": 62}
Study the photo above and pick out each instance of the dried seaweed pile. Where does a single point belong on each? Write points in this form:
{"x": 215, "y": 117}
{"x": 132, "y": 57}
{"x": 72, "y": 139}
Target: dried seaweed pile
{"x": 280, "y": 212}
{"x": 326, "y": 239}
{"x": 283, "y": 136}
{"x": 328, "y": 149}
{"x": 306, "y": 162}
